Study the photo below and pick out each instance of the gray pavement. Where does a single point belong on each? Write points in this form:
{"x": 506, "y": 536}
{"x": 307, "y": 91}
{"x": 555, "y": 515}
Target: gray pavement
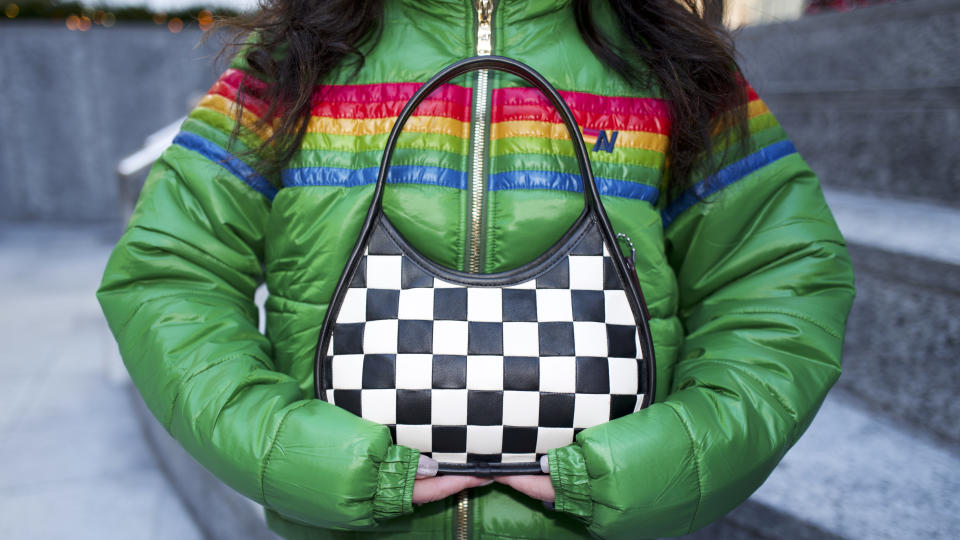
{"x": 77, "y": 464}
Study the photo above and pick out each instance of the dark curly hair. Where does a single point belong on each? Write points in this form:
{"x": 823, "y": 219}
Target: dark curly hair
{"x": 679, "y": 43}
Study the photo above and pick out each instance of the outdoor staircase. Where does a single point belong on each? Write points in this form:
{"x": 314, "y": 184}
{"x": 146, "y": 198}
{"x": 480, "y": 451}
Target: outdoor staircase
{"x": 871, "y": 98}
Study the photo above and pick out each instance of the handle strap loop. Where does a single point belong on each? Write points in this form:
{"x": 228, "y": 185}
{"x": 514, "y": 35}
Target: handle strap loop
{"x": 498, "y": 63}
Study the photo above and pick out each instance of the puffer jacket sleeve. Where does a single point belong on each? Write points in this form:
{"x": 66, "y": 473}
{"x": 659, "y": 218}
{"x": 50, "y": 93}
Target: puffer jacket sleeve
{"x": 765, "y": 287}
{"x": 178, "y": 295}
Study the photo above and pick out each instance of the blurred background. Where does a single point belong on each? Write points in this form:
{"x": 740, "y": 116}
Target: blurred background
{"x": 91, "y": 92}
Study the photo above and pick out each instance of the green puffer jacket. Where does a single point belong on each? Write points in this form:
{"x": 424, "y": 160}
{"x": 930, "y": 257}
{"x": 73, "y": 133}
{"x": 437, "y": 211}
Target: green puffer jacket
{"x": 746, "y": 277}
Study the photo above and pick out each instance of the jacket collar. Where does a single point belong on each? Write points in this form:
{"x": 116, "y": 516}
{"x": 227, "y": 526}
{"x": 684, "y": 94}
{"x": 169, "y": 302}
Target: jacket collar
{"x": 523, "y": 8}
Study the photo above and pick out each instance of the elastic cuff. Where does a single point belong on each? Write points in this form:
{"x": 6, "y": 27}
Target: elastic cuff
{"x": 394, "y": 495}
{"x": 568, "y": 473}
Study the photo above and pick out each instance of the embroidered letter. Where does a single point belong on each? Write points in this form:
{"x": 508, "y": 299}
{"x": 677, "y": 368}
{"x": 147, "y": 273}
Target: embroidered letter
{"x": 600, "y": 140}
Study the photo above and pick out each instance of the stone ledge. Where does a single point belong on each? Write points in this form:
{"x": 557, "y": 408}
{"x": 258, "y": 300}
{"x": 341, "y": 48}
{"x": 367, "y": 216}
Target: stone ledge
{"x": 924, "y": 234}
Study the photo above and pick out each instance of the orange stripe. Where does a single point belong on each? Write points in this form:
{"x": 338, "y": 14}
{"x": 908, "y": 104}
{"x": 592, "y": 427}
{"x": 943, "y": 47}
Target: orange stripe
{"x": 754, "y": 109}
{"x": 376, "y": 126}
{"x": 548, "y": 130}
{"x": 228, "y": 108}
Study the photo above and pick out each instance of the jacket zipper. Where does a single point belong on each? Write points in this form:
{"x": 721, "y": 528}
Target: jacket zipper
{"x": 481, "y": 100}
{"x": 462, "y": 519}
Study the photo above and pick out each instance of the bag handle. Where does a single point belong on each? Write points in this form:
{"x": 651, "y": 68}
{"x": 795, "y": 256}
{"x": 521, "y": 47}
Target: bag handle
{"x": 499, "y": 63}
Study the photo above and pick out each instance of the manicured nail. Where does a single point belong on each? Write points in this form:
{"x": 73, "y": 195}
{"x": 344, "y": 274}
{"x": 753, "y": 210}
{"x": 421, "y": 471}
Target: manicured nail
{"x": 487, "y": 483}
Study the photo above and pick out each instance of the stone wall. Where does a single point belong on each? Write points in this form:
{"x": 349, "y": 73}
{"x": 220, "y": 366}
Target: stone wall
{"x": 76, "y": 102}
{"x": 870, "y": 98}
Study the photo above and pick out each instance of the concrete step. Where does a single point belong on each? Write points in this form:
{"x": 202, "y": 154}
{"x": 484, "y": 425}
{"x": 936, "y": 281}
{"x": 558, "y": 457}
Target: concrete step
{"x": 870, "y": 97}
{"x": 903, "y": 335}
{"x": 856, "y": 475}
{"x": 920, "y": 229}
{"x": 852, "y": 475}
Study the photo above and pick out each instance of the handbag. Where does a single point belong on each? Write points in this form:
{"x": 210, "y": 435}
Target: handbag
{"x": 487, "y": 372}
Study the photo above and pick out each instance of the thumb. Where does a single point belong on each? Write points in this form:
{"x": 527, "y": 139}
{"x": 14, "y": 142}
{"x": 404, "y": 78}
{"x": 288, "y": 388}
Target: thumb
{"x": 477, "y": 481}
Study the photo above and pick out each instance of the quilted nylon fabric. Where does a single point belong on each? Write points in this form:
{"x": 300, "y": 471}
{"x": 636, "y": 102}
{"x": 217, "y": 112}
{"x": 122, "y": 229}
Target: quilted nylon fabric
{"x": 746, "y": 278}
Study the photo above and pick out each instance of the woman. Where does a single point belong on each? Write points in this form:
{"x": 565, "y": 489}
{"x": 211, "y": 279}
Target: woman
{"x": 745, "y": 274}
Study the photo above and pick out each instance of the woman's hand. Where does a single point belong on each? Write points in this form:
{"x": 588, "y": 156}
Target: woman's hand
{"x": 532, "y": 485}
{"x": 428, "y": 487}
{"x": 434, "y": 488}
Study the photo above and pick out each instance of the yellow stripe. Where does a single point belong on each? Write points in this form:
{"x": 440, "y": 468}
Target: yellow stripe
{"x": 228, "y": 107}
{"x": 549, "y": 130}
{"x": 375, "y": 126}
{"x": 756, "y": 108}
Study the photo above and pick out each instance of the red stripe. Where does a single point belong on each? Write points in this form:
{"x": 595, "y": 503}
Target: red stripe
{"x": 360, "y": 93}
{"x": 388, "y": 109}
{"x": 387, "y": 100}
{"x": 375, "y": 93}
{"x": 751, "y": 93}
{"x": 597, "y": 112}
{"x": 233, "y": 77}
{"x": 250, "y": 102}
{"x": 357, "y": 101}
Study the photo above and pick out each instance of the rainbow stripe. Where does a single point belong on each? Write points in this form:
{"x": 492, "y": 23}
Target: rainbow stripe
{"x": 217, "y": 154}
{"x": 726, "y": 176}
{"x": 529, "y": 149}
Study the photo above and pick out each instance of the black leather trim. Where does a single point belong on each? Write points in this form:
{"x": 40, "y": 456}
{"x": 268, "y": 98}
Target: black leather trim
{"x": 539, "y": 266}
{"x": 489, "y": 469}
{"x": 499, "y": 63}
{"x": 333, "y": 308}
{"x": 593, "y": 204}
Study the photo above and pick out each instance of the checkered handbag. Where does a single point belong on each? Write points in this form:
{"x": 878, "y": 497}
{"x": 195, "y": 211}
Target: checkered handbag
{"x": 487, "y": 372}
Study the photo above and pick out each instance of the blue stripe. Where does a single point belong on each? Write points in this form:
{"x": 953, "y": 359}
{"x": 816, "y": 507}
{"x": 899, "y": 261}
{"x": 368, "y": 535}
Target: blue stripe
{"x": 570, "y": 182}
{"x": 726, "y": 176}
{"x": 217, "y": 154}
{"x": 400, "y": 174}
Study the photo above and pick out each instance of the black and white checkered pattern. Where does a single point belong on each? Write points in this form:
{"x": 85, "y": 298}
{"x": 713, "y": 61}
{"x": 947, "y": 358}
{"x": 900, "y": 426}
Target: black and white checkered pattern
{"x": 479, "y": 373}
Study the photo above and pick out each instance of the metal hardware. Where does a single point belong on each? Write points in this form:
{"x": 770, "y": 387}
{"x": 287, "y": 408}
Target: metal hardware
{"x": 633, "y": 250}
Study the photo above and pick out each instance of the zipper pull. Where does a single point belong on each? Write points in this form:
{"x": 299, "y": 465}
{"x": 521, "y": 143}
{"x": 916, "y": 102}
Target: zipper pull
{"x": 484, "y": 34}
{"x": 632, "y": 260}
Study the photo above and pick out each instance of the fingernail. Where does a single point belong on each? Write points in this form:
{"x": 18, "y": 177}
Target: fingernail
{"x": 427, "y": 466}
{"x": 487, "y": 483}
